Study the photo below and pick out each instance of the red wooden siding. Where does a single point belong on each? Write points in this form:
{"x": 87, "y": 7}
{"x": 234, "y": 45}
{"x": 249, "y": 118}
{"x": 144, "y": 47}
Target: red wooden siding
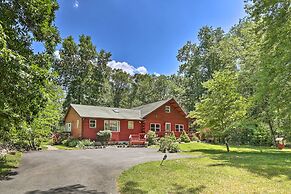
{"x": 73, "y": 117}
{"x": 123, "y": 135}
{"x": 176, "y": 116}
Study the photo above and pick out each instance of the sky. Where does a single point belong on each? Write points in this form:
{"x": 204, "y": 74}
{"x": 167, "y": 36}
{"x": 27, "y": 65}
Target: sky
{"x": 144, "y": 36}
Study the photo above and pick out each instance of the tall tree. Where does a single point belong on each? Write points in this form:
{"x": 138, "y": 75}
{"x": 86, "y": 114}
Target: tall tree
{"x": 198, "y": 63}
{"x": 120, "y": 84}
{"x": 273, "y": 88}
{"x": 222, "y": 106}
{"x": 24, "y": 75}
{"x": 83, "y": 72}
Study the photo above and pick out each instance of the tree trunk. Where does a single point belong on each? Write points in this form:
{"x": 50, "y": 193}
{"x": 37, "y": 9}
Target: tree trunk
{"x": 272, "y": 132}
{"x": 227, "y": 145}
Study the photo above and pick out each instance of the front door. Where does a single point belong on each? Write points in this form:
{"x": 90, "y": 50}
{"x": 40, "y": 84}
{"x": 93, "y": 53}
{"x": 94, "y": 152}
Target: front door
{"x": 168, "y": 127}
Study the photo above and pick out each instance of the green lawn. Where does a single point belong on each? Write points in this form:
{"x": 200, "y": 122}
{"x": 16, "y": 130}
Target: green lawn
{"x": 243, "y": 170}
{"x": 9, "y": 162}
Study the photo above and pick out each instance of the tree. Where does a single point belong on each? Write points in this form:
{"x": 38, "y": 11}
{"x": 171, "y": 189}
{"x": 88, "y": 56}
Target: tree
{"x": 47, "y": 120}
{"x": 273, "y": 89}
{"x": 222, "y": 105}
{"x": 120, "y": 85}
{"x": 199, "y": 62}
{"x": 83, "y": 72}
{"x": 24, "y": 75}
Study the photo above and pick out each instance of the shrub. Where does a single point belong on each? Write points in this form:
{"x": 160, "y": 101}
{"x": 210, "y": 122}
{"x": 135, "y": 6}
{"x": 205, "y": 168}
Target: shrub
{"x": 184, "y": 137}
{"x": 250, "y": 132}
{"x": 103, "y": 136}
{"x": 173, "y": 148}
{"x": 172, "y": 136}
{"x": 57, "y": 139}
{"x": 195, "y": 138}
{"x": 80, "y": 145}
{"x": 70, "y": 142}
{"x": 85, "y": 143}
{"x": 169, "y": 144}
{"x": 73, "y": 143}
{"x": 151, "y": 138}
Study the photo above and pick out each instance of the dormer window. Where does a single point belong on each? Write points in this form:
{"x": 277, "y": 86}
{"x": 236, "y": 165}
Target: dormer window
{"x": 167, "y": 109}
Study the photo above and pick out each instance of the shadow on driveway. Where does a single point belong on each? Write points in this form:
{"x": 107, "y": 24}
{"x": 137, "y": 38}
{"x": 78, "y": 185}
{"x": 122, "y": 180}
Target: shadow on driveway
{"x": 72, "y": 189}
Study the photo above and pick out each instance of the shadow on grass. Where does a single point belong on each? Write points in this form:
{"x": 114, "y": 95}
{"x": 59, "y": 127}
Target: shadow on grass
{"x": 72, "y": 189}
{"x": 8, "y": 174}
{"x": 266, "y": 163}
{"x": 178, "y": 189}
{"x": 131, "y": 187}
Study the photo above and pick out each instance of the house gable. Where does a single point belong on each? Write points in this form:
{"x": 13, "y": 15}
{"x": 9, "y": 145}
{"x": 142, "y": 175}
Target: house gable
{"x": 150, "y": 108}
{"x": 76, "y": 122}
{"x": 176, "y": 116}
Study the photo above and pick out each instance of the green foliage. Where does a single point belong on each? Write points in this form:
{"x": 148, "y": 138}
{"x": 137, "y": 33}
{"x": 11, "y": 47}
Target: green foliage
{"x": 199, "y": 62}
{"x": 222, "y": 106}
{"x": 250, "y": 133}
{"x": 80, "y": 66}
{"x": 72, "y": 142}
{"x": 25, "y": 77}
{"x": 8, "y": 162}
{"x": 168, "y": 143}
{"x": 104, "y": 136}
{"x": 195, "y": 138}
{"x": 151, "y": 138}
{"x": 85, "y": 143}
{"x": 184, "y": 137}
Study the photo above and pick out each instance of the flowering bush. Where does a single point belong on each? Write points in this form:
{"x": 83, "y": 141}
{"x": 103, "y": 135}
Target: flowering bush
{"x": 104, "y": 136}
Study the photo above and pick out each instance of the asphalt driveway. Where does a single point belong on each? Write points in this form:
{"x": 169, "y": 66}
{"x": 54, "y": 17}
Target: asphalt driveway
{"x": 76, "y": 171}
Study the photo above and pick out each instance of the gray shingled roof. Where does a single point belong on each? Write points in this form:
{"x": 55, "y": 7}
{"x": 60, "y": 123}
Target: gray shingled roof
{"x": 106, "y": 112}
{"x": 148, "y": 108}
{"x": 137, "y": 113}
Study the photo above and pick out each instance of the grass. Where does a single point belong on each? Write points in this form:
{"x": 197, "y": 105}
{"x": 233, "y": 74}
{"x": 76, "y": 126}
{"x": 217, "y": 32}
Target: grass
{"x": 245, "y": 169}
{"x": 63, "y": 147}
{"x": 9, "y": 162}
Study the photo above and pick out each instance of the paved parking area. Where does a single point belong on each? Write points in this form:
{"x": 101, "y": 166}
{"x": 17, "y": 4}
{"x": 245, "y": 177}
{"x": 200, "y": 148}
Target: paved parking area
{"x": 76, "y": 171}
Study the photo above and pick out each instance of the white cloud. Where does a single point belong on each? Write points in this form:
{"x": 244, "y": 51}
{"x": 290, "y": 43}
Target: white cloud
{"x": 124, "y": 66}
{"x": 141, "y": 70}
{"x": 57, "y": 54}
{"x": 76, "y": 4}
{"x": 156, "y": 74}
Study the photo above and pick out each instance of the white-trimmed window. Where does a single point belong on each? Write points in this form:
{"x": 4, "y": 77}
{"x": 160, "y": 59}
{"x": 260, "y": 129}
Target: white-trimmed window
{"x": 167, "y": 126}
{"x": 68, "y": 127}
{"x": 130, "y": 125}
{"x": 155, "y": 127}
{"x": 179, "y": 127}
{"x": 92, "y": 123}
{"x": 112, "y": 125}
{"x": 167, "y": 109}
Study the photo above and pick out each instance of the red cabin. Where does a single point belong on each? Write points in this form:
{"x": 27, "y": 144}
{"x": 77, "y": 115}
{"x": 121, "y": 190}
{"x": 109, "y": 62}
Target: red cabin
{"x": 162, "y": 117}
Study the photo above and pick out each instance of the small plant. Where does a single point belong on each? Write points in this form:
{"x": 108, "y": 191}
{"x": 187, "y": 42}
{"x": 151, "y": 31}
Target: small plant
{"x": 173, "y": 148}
{"x": 57, "y": 139}
{"x": 70, "y": 142}
{"x": 104, "y": 136}
{"x": 85, "y": 143}
{"x": 73, "y": 143}
{"x": 168, "y": 143}
{"x": 151, "y": 138}
{"x": 184, "y": 137}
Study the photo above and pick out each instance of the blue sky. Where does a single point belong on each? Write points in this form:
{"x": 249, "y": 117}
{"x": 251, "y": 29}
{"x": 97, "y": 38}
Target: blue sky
{"x": 144, "y": 33}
